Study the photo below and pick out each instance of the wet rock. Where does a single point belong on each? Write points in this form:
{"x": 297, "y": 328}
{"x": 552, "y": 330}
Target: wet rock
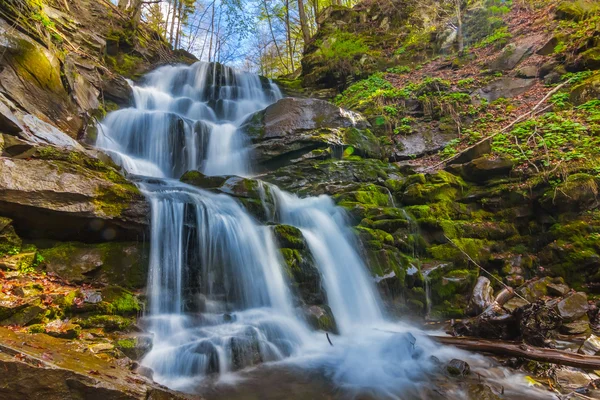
{"x": 321, "y": 317}
{"x": 481, "y": 297}
{"x": 572, "y": 195}
{"x": 504, "y": 87}
{"x": 573, "y": 307}
{"x": 135, "y": 347}
{"x": 458, "y": 367}
{"x": 480, "y": 391}
{"x": 591, "y": 346}
{"x": 293, "y": 128}
{"x": 117, "y": 90}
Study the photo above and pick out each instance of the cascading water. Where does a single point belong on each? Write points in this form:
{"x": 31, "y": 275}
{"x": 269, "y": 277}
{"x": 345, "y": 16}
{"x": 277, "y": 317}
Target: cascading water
{"x": 218, "y": 298}
{"x": 219, "y": 301}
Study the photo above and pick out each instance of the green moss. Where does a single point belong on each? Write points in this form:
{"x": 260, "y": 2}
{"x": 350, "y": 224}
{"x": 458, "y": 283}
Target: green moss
{"x": 126, "y": 344}
{"x": 37, "y": 328}
{"x": 120, "y": 301}
{"x": 477, "y": 249}
{"x": 107, "y": 322}
{"x": 289, "y": 236}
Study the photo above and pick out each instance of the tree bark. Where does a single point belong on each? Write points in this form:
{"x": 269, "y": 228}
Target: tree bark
{"x": 212, "y": 30}
{"x": 289, "y": 35}
{"x": 173, "y": 22}
{"x": 179, "y": 17}
{"x": 459, "y": 29}
{"x": 303, "y": 23}
{"x": 123, "y": 4}
{"x": 521, "y": 350}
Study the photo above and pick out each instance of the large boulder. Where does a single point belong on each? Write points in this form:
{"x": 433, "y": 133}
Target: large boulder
{"x": 30, "y": 74}
{"x": 505, "y": 87}
{"x": 295, "y": 128}
{"x": 65, "y": 194}
{"x": 112, "y": 263}
{"x": 514, "y": 53}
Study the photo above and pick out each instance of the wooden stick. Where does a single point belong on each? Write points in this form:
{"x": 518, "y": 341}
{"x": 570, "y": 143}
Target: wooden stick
{"x": 513, "y": 349}
{"x": 513, "y": 123}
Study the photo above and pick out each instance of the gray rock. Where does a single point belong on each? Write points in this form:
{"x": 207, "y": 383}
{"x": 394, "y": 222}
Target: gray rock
{"x": 558, "y": 289}
{"x": 61, "y": 200}
{"x": 591, "y": 346}
{"x": 483, "y": 169}
{"x": 504, "y": 87}
{"x": 292, "y": 128}
{"x": 573, "y": 307}
{"x": 458, "y": 367}
{"x": 528, "y": 72}
{"x": 513, "y": 54}
{"x": 482, "y": 296}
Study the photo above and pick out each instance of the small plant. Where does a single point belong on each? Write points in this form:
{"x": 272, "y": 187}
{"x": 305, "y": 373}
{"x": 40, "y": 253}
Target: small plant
{"x": 498, "y": 38}
{"x": 450, "y": 149}
{"x": 402, "y": 69}
{"x": 560, "y": 99}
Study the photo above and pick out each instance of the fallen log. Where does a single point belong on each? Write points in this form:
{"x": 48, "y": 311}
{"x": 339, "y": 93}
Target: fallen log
{"x": 513, "y": 349}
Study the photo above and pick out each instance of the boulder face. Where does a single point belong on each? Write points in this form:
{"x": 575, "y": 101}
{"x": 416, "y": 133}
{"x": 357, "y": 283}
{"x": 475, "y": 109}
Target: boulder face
{"x": 296, "y": 128}
{"x": 505, "y": 87}
{"x": 64, "y": 194}
{"x": 31, "y": 75}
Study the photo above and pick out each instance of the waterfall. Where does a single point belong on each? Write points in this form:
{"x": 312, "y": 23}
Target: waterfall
{"x": 219, "y": 300}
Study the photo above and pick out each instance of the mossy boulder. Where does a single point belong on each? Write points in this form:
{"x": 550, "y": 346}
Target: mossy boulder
{"x": 441, "y": 186}
{"x": 585, "y": 91}
{"x": 321, "y": 318}
{"x": 577, "y": 10}
{"x": 578, "y": 193}
{"x": 106, "y": 322}
{"x": 64, "y": 194}
{"x": 109, "y": 263}
{"x": 293, "y": 129}
{"x": 31, "y": 74}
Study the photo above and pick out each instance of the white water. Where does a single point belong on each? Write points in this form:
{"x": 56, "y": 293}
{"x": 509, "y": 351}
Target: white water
{"x": 219, "y": 301}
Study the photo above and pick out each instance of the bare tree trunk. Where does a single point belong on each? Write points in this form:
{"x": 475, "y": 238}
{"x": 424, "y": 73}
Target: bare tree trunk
{"x": 173, "y": 22}
{"x": 179, "y": 17}
{"x": 289, "y": 35}
{"x": 521, "y": 350}
{"x": 212, "y": 31}
{"x": 273, "y": 34}
{"x": 136, "y": 15}
{"x": 316, "y": 11}
{"x": 123, "y": 4}
{"x": 460, "y": 39}
{"x": 303, "y": 22}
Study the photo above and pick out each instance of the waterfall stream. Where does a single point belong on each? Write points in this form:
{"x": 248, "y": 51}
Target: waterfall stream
{"x": 219, "y": 300}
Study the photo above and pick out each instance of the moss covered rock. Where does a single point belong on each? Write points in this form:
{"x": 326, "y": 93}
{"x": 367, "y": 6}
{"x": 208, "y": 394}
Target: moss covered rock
{"x": 68, "y": 194}
{"x": 125, "y": 264}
